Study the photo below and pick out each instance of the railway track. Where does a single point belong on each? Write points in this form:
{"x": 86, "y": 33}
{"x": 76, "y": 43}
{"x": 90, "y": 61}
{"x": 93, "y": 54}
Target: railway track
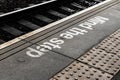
{"x": 60, "y": 40}
{"x": 42, "y": 16}
{"x": 9, "y": 7}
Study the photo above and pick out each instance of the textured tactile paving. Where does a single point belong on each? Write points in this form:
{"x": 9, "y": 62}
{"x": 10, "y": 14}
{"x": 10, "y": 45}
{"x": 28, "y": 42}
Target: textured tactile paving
{"x": 102, "y": 60}
{"x": 80, "y": 71}
{"x": 111, "y": 44}
{"x": 116, "y": 34}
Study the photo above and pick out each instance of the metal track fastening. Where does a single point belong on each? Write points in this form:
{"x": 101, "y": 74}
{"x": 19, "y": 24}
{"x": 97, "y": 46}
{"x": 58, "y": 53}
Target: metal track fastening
{"x": 102, "y": 60}
{"x": 80, "y": 71}
{"x": 111, "y": 44}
